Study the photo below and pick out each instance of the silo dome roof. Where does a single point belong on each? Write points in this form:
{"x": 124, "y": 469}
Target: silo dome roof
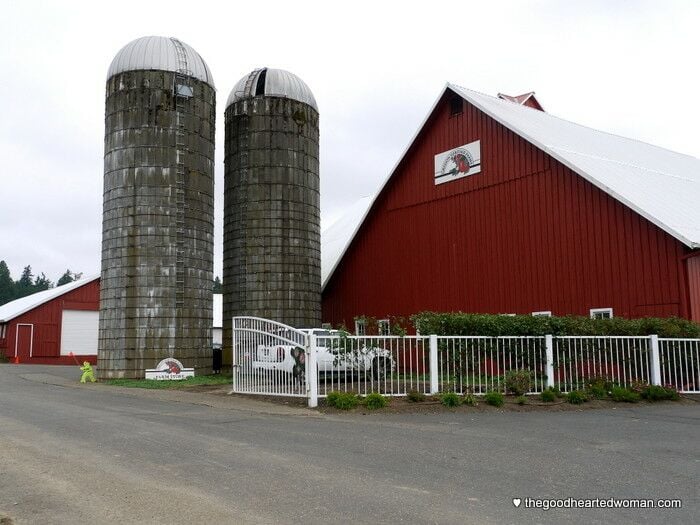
{"x": 163, "y": 54}
{"x": 272, "y": 83}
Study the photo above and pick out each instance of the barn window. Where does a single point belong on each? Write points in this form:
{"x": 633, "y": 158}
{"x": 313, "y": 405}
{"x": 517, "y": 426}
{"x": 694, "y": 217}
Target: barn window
{"x": 601, "y": 313}
{"x": 542, "y": 314}
{"x": 456, "y": 105}
{"x": 360, "y": 327}
{"x": 3, "y": 330}
{"x": 383, "y": 326}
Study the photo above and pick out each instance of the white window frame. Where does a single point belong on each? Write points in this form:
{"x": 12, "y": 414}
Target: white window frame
{"x": 3, "y": 330}
{"x": 383, "y": 327}
{"x": 360, "y": 327}
{"x": 543, "y": 313}
{"x": 595, "y": 311}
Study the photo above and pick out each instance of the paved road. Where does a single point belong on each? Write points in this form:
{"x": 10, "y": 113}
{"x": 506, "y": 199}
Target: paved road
{"x": 96, "y": 454}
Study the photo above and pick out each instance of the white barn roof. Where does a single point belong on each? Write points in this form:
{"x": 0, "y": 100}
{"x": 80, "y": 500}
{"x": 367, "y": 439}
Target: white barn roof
{"x": 9, "y": 311}
{"x": 661, "y": 185}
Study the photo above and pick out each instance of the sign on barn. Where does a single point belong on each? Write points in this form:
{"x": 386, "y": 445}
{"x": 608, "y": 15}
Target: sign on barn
{"x": 458, "y": 162}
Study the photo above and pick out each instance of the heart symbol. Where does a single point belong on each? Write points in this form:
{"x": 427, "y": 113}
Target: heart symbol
{"x": 516, "y": 502}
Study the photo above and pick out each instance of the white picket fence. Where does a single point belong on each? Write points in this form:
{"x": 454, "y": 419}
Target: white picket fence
{"x": 395, "y": 366}
{"x": 432, "y": 364}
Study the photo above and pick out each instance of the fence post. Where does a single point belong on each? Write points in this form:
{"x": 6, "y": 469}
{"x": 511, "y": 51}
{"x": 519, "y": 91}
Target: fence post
{"x": 549, "y": 353}
{"x": 312, "y": 371}
{"x": 434, "y": 386}
{"x": 655, "y": 360}
{"x": 234, "y": 383}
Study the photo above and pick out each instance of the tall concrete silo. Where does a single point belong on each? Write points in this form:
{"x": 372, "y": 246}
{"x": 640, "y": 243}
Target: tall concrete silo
{"x": 272, "y": 255}
{"x": 158, "y": 224}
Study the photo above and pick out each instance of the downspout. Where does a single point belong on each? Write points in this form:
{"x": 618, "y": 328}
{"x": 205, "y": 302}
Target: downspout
{"x": 686, "y": 306}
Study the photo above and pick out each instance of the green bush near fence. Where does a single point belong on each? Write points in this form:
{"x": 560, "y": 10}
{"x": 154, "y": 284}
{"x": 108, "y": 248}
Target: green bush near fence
{"x": 450, "y": 399}
{"x": 494, "y": 398}
{"x": 660, "y": 393}
{"x": 576, "y": 397}
{"x": 415, "y": 397}
{"x": 623, "y": 395}
{"x": 374, "y": 401}
{"x": 458, "y": 323}
{"x": 342, "y": 400}
{"x": 548, "y": 395}
{"x": 469, "y": 399}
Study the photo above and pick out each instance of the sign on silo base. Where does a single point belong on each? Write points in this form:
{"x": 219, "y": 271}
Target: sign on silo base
{"x": 169, "y": 369}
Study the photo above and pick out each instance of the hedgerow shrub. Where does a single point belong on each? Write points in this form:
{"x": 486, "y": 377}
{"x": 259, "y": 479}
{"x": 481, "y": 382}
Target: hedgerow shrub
{"x": 521, "y": 400}
{"x": 374, "y": 401}
{"x": 458, "y": 323}
{"x": 494, "y": 398}
{"x": 518, "y": 382}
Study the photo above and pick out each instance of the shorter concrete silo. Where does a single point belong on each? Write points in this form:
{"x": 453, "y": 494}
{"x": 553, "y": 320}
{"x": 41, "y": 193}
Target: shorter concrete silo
{"x": 272, "y": 256}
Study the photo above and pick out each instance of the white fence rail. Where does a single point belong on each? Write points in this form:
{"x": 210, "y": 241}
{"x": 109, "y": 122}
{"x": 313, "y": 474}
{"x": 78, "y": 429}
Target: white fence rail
{"x": 680, "y": 364}
{"x": 620, "y": 360}
{"x": 274, "y": 359}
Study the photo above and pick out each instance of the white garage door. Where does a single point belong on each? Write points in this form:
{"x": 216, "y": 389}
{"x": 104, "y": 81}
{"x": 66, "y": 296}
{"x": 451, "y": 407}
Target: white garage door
{"x": 79, "y": 332}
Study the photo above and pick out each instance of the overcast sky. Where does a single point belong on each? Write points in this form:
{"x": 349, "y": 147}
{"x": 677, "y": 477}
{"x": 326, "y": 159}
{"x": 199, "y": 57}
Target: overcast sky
{"x": 375, "y": 68}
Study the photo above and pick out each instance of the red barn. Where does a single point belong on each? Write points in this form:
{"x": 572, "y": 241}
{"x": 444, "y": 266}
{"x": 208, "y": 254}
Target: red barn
{"x": 499, "y": 207}
{"x": 45, "y": 327}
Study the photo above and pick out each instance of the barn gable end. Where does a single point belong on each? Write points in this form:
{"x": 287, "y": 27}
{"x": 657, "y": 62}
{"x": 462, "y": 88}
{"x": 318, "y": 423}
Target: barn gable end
{"x": 525, "y": 234}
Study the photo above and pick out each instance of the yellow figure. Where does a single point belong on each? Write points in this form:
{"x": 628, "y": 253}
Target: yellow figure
{"x": 87, "y": 373}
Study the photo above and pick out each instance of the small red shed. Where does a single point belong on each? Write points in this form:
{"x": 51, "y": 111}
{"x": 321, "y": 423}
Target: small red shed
{"x": 45, "y": 327}
{"x": 499, "y": 207}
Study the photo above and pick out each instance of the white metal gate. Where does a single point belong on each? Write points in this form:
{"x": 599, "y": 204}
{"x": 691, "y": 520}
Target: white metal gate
{"x": 271, "y": 358}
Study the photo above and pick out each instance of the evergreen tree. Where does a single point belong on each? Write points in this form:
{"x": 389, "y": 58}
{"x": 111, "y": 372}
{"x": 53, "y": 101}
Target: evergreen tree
{"x": 26, "y": 280}
{"x": 7, "y": 285}
{"x": 66, "y": 278}
{"x": 25, "y": 285}
{"x": 42, "y": 283}
{"x": 216, "y": 288}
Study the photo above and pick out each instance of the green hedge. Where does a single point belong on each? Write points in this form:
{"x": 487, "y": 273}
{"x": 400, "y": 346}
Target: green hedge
{"x": 458, "y": 323}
